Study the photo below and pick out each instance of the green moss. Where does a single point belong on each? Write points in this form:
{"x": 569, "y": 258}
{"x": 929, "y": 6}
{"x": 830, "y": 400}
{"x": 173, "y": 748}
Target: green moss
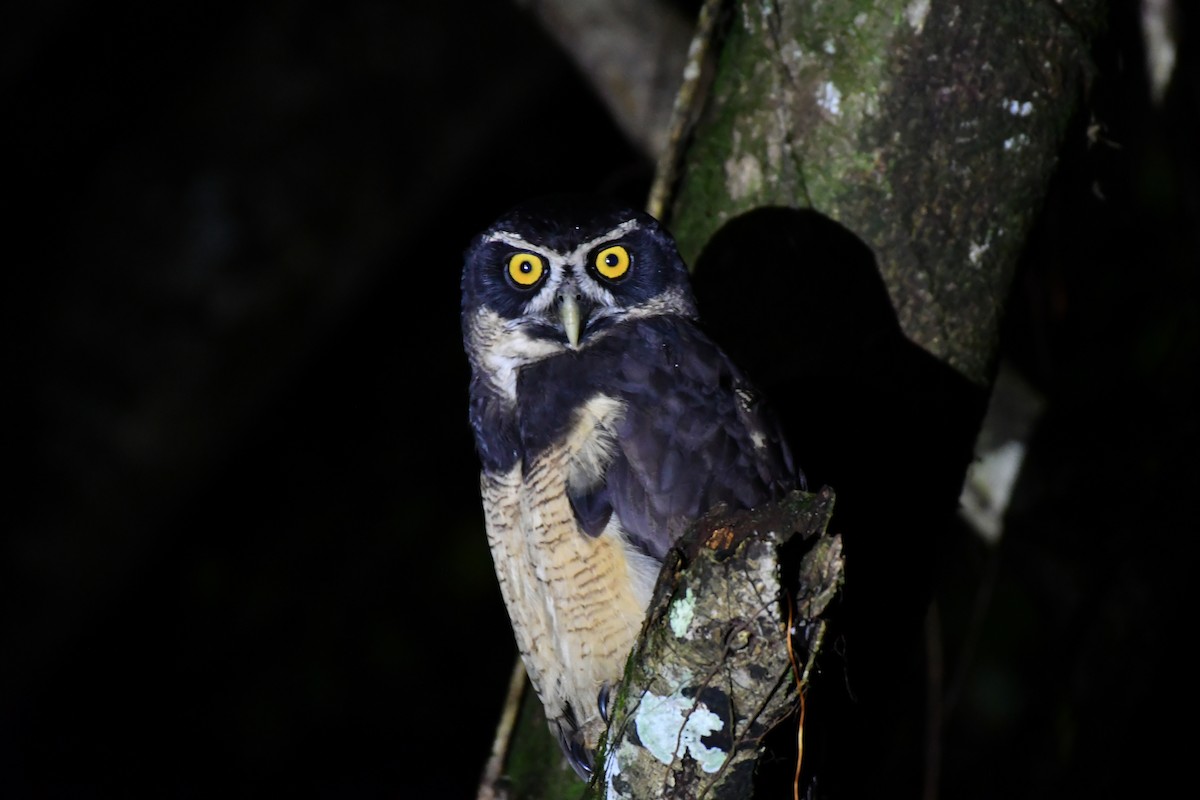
{"x": 792, "y": 91}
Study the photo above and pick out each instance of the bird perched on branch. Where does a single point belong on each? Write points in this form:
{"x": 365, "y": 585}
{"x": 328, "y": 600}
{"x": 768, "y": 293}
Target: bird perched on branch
{"x": 606, "y": 421}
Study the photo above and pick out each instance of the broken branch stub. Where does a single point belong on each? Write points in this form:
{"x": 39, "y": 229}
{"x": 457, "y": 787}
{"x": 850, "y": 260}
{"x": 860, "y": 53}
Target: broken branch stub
{"x": 712, "y": 672}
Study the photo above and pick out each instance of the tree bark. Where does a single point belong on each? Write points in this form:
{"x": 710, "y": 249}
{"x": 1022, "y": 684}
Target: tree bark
{"x": 929, "y": 129}
{"x": 714, "y": 671}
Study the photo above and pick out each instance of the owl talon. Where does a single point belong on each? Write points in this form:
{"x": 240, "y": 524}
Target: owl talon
{"x": 602, "y": 702}
{"x": 581, "y": 760}
{"x": 577, "y": 754}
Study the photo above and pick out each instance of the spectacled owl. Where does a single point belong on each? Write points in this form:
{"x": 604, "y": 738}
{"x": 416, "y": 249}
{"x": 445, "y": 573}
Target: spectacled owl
{"x": 606, "y": 421}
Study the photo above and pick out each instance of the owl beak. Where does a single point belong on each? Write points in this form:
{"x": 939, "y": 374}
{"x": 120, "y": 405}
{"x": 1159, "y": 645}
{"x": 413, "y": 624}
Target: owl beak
{"x": 571, "y": 317}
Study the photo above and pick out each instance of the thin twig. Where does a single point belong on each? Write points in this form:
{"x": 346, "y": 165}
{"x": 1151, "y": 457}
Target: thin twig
{"x": 684, "y": 113}
{"x": 504, "y": 730}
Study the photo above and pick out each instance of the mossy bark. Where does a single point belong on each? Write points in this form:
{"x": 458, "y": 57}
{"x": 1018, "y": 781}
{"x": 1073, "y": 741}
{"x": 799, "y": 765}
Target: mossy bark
{"x": 929, "y": 129}
{"x": 714, "y": 671}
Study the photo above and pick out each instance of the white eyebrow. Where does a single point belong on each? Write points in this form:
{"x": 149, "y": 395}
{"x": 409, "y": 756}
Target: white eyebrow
{"x": 514, "y": 239}
{"x": 616, "y": 233}
{"x": 518, "y": 241}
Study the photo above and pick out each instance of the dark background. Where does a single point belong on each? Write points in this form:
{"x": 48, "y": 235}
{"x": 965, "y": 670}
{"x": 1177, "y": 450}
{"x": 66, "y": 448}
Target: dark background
{"x": 243, "y": 550}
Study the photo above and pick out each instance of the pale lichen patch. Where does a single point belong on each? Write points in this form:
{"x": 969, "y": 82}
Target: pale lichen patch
{"x": 682, "y": 611}
{"x": 612, "y": 771}
{"x": 977, "y": 250}
{"x": 1017, "y": 108}
{"x": 743, "y": 176}
{"x": 915, "y": 13}
{"x": 829, "y": 98}
{"x": 672, "y": 726}
{"x": 1016, "y": 142}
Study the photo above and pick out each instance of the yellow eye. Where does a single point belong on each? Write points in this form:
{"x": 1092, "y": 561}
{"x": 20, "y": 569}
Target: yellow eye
{"x": 612, "y": 262}
{"x": 525, "y": 269}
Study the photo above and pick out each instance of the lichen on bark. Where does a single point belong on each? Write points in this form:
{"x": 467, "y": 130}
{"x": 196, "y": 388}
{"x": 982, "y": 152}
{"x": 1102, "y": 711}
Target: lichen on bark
{"x": 928, "y": 129}
{"x": 714, "y": 669}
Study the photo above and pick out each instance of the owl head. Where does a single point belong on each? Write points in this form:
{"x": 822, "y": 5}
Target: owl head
{"x": 554, "y": 274}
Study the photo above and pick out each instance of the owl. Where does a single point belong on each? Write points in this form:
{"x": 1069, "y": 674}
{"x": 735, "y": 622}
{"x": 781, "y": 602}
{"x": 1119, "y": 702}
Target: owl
{"x": 605, "y": 421}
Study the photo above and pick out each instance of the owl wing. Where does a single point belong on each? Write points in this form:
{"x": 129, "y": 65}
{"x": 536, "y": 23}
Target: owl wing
{"x": 695, "y": 433}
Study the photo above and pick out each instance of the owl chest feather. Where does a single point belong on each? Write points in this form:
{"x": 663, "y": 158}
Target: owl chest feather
{"x": 576, "y": 601}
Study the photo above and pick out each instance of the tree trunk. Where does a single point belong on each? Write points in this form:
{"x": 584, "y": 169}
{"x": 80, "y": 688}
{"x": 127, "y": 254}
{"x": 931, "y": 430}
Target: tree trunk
{"x": 928, "y": 129}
